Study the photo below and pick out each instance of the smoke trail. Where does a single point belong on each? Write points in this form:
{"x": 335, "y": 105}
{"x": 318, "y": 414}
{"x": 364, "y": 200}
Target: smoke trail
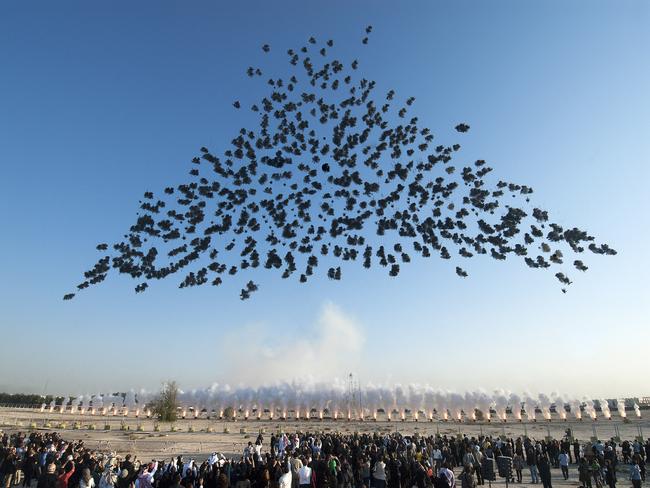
{"x": 604, "y": 407}
{"x": 620, "y": 406}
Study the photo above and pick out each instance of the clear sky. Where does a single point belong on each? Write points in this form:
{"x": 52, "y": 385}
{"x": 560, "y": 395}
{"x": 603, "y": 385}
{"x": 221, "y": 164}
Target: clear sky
{"x": 100, "y": 101}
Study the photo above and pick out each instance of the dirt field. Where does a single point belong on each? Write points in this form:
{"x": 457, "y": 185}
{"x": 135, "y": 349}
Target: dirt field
{"x": 200, "y": 437}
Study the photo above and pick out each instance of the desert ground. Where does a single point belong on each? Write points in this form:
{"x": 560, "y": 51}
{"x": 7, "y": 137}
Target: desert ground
{"x": 199, "y": 437}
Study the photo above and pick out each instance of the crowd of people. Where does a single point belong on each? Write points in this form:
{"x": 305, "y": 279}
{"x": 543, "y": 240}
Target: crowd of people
{"x": 330, "y": 460}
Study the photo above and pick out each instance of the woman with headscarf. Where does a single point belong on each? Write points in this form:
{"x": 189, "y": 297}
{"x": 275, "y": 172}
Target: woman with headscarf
{"x": 145, "y": 478}
{"x": 189, "y": 472}
{"x": 86, "y": 480}
{"x": 347, "y": 475}
{"x": 446, "y": 475}
{"x": 109, "y": 476}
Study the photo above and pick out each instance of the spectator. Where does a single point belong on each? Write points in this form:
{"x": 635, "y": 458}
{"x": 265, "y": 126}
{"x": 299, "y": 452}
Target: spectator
{"x": 564, "y": 460}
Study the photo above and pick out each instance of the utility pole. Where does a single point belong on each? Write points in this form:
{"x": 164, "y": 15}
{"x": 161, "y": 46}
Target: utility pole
{"x": 359, "y": 397}
{"x": 350, "y": 394}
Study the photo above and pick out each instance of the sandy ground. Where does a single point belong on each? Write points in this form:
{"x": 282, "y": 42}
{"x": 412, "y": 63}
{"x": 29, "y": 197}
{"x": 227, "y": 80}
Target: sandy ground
{"x": 200, "y": 437}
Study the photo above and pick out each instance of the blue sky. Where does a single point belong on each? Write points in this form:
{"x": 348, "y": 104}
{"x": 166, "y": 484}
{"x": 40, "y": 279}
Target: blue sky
{"x": 100, "y": 102}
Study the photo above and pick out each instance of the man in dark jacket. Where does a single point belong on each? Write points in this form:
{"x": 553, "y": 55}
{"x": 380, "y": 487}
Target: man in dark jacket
{"x": 49, "y": 478}
{"x": 544, "y": 467}
{"x": 576, "y": 451}
{"x": 8, "y": 468}
{"x": 30, "y": 468}
{"x": 128, "y": 465}
{"x": 531, "y": 461}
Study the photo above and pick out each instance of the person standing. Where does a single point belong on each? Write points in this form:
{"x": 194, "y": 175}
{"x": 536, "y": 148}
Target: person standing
{"x": 304, "y": 476}
{"x": 564, "y": 461}
{"x": 635, "y": 474}
{"x": 565, "y": 445}
{"x": 639, "y": 460}
{"x": 437, "y": 458}
{"x": 518, "y": 465}
{"x": 48, "y": 479}
{"x": 394, "y": 473}
{"x": 364, "y": 472}
{"x": 531, "y": 461}
{"x": 30, "y": 468}
{"x": 446, "y": 474}
{"x": 68, "y": 471}
{"x": 610, "y": 474}
{"x": 285, "y": 479}
{"x": 468, "y": 457}
{"x": 584, "y": 474}
{"x": 544, "y": 466}
{"x": 467, "y": 477}
{"x": 379, "y": 474}
{"x": 145, "y": 478}
{"x": 347, "y": 475}
{"x": 86, "y": 480}
{"x": 8, "y": 468}
{"x": 478, "y": 459}
{"x": 576, "y": 451}
{"x": 128, "y": 465}
{"x": 109, "y": 476}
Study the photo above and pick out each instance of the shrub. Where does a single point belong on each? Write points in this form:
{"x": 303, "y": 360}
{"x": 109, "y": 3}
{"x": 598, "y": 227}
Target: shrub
{"x": 229, "y": 413}
{"x": 165, "y": 407}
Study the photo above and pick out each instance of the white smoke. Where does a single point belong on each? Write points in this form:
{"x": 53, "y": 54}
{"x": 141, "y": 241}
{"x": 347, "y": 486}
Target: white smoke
{"x": 336, "y": 399}
{"x": 620, "y": 406}
{"x": 589, "y": 407}
{"x": 604, "y": 407}
{"x": 255, "y": 355}
{"x": 332, "y": 347}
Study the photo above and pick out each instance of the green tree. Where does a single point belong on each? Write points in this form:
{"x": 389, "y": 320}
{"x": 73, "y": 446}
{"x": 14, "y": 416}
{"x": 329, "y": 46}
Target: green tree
{"x": 165, "y": 407}
{"x": 23, "y": 399}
